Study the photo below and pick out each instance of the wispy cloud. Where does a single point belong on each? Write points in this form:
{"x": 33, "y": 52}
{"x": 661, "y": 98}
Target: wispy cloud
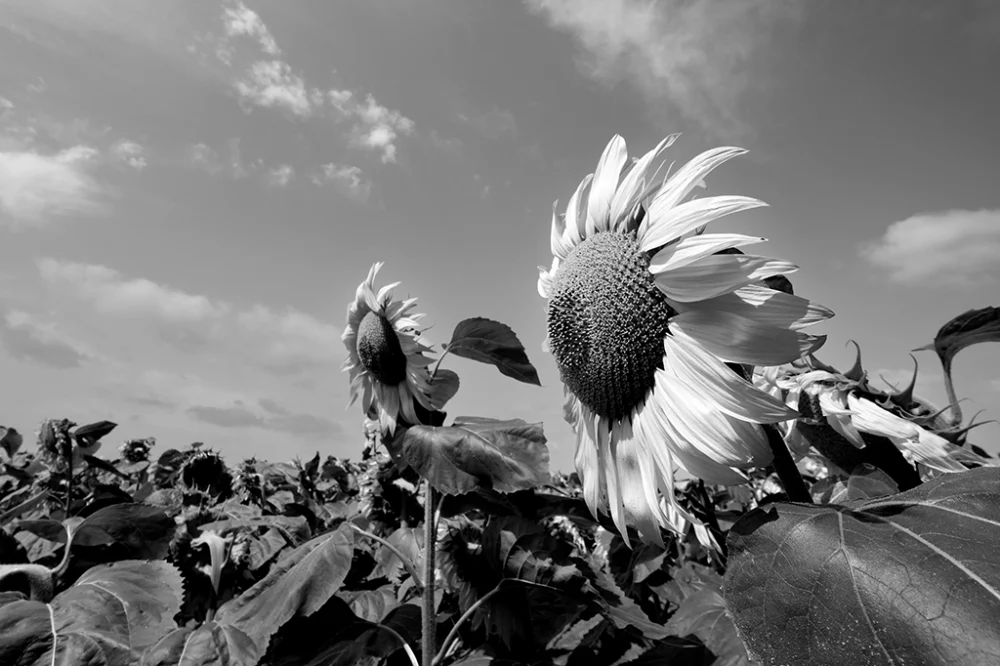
{"x": 347, "y": 179}
{"x": 272, "y": 84}
{"x": 691, "y": 53}
{"x": 953, "y": 248}
{"x": 495, "y": 124}
{"x": 376, "y": 127}
{"x": 130, "y": 153}
{"x": 35, "y": 187}
{"x": 278, "y": 341}
{"x": 26, "y": 338}
{"x": 281, "y": 176}
{"x": 242, "y": 416}
{"x": 240, "y": 20}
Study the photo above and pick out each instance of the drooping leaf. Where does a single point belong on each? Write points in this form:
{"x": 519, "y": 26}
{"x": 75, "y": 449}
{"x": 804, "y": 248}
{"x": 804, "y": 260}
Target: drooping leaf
{"x": 969, "y": 328}
{"x": 10, "y": 440}
{"x": 379, "y": 640}
{"x": 865, "y": 482}
{"x": 410, "y": 542}
{"x": 675, "y": 652}
{"x": 478, "y": 453}
{"x": 95, "y": 431}
{"x": 371, "y": 605}
{"x": 108, "y": 617}
{"x": 145, "y": 530}
{"x": 298, "y": 584}
{"x": 491, "y": 342}
{"x": 264, "y": 548}
{"x": 908, "y": 578}
{"x": 211, "y": 644}
{"x": 703, "y": 613}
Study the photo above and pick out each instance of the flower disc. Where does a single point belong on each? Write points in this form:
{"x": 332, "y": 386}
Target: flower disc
{"x": 380, "y": 351}
{"x": 606, "y": 324}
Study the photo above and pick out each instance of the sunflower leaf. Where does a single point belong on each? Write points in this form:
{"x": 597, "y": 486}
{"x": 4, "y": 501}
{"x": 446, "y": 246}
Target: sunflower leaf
{"x": 477, "y": 452}
{"x": 491, "y": 342}
{"x": 911, "y": 577}
{"x": 967, "y": 329}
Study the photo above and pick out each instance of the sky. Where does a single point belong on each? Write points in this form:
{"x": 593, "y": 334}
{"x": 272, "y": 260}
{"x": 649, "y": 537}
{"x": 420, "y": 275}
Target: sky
{"x": 191, "y": 191}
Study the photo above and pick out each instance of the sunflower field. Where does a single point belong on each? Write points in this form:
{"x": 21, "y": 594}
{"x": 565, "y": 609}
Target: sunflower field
{"x": 736, "y": 500}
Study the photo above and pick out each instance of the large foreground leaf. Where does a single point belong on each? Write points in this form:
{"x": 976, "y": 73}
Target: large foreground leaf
{"x": 108, "y": 617}
{"x": 491, "y": 342}
{"x": 478, "y": 453}
{"x": 298, "y": 584}
{"x": 211, "y": 644}
{"x": 912, "y": 578}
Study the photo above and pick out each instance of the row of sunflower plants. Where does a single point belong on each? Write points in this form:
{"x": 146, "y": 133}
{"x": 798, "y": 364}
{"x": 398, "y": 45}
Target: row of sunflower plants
{"x": 839, "y": 522}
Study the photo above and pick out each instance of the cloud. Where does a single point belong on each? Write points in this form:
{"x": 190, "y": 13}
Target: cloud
{"x": 955, "y": 248}
{"x": 281, "y": 176}
{"x": 495, "y": 124}
{"x": 239, "y": 20}
{"x": 25, "y": 338}
{"x": 35, "y": 187}
{"x": 272, "y": 84}
{"x": 204, "y": 157}
{"x": 376, "y": 127}
{"x": 130, "y": 153}
{"x": 692, "y": 53}
{"x": 278, "y": 341}
{"x": 347, "y": 179}
{"x": 241, "y": 416}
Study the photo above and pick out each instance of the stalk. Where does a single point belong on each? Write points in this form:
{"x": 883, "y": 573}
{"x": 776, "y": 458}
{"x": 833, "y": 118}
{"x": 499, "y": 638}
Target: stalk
{"x": 428, "y": 616}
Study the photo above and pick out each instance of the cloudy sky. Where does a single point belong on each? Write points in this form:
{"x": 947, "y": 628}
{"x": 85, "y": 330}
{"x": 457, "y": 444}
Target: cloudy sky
{"x": 191, "y": 191}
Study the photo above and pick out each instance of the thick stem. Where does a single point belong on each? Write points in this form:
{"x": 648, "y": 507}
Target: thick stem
{"x": 785, "y": 467}
{"x": 955, "y": 409}
{"x": 429, "y": 616}
{"x": 69, "y": 482}
{"x": 453, "y": 634}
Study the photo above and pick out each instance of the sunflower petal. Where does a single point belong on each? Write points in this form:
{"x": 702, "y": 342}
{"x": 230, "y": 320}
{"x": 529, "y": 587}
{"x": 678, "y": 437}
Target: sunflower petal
{"x": 709, "y": 377}
{"x": 722, "y": 439}
{"x": 696, "y": 247}
{"x": 668, "y": 223}
{"x": 628, "y": 458}
{"x": 768, "y": 306}
{"x": 576, "y": 213}
{"x": 634, "y": 184}
{"x": 718, "y": 274}
{"x": 602, "y": 190}
{"x": 558, "y": 240}
{"x": 691, "y": 174}
{"x": 734, "y": 338}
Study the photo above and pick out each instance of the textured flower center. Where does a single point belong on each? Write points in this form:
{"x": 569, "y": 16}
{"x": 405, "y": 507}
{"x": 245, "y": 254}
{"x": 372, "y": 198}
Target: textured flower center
{"x": 607, "y": 321}
{"x": 379, "y": 350}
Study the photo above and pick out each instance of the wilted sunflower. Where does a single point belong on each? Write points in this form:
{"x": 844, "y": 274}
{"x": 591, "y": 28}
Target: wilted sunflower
{"x": 644, "y": 314}
{"x": 386, "y": 356}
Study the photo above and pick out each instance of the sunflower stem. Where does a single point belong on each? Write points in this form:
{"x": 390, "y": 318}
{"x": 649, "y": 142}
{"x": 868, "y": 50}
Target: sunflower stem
{"x": 428, "y": 615}
{"x": 784, "y": 466}
{"x": 438, "y": 364}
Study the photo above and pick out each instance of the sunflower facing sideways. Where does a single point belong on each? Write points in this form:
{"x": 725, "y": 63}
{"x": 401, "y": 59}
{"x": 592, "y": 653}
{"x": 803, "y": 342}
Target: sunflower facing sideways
{"x": 644, "y": 313}
{"x": 386, "y": 357}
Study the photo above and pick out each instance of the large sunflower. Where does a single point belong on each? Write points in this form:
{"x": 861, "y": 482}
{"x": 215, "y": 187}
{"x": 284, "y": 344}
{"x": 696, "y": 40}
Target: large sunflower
{"x": 386, "y": 356}
{"x": 645, "y": 311}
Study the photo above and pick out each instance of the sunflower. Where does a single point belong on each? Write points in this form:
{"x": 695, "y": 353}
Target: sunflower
{"x": 386, "y": 357}
{"x": 849, "y": 405}
{"x": 649, "y": 319}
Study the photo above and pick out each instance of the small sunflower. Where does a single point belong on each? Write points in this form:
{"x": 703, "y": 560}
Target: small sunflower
{"x": 386, "y": 356}
{"x": 647, "y": 318}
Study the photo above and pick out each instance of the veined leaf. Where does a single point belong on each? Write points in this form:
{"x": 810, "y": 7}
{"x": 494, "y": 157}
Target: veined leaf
{"x": 298, "y": 584}
{"x": 108, "y": 617}
{"x": 908, "y": 578}
{"x": 478, "y": 453}
{"x": 969, "y": 328}
{"x": 211, "y": 644}
{"x": 491, "y": 342}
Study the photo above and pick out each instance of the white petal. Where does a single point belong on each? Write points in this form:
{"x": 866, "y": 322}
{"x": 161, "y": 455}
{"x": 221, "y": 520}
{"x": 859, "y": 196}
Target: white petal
{"x": 670, "y": 223}
{"x": 558, "y": 239}
{"x": 738, "y": 339}
{"x": 715, "y": 382}
{"x": 696, "y": 247}
{"x": 718, "y": 274}
{"x": 676, "y": 188}
{"x": 587, "y": 461}
{"x": 576, "y": 213}
{"x": 629, "y": 458}
{"x": 609, "y": 169}
{"x": 934, "y": 451}
{"x": 385, "y": 294}
{"x": 765, "y": 305}
{"x": 720, "y": 438}
{"x": 635, "y": 184}
{"x": 869, "y": 417}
